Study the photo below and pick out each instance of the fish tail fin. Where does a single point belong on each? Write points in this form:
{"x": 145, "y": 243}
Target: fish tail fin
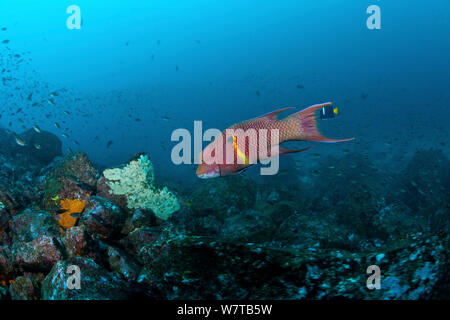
{"x": 305, "y": 122}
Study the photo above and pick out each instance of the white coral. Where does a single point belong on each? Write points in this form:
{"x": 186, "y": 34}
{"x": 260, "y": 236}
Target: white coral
{"x": 135, "y": 181}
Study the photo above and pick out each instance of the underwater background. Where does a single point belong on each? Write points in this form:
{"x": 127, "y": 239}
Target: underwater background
{"x": 87, "y": 179}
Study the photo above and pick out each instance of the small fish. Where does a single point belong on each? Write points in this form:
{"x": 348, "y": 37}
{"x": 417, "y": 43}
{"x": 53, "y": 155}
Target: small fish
{"x": 37, "y": 129}
{"x": 37, "y": 146}
{"x": 51, "y": 101}
{"x": 54, "y": 94}
{"x": 20, "y": 142}
{"x": 66, "y": 112}
{"x": 65, "y": 135}
{"x": 5, "y": 41}
{"x": 76, "y": 215}
{"x": 57, "y": 125}
{"x": 300, "y": 86}
{"x": 110, "y": 142}
{"x": 165, "y": 118}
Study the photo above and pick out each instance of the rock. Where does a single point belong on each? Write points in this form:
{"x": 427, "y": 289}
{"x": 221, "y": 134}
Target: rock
{"x": 50, "y": 147}
{"x": 249, "y": 226}
{"x": 103, "y": 217}
{"x": 6, "y": 267}
{"x": 224, "y": 197}
{"x": 96, "y": 283}
{"x": 5, "y": 216}
{"x": 4, "y": 239}
{"x": 273, "y": 197}
{"x": 122, "y": 264}
{"x": 73, "y": 178}
{"x": 135, "y": 240}
{"x": 37, "y": 255}
{"x": 29, "y": 224}
{"x": 22, "y": 289}
{"x": 75, "y": 241}
{"x": 9, "y": 200}
{"x": 186, "y": 267}
{"x": 140, "y": 218}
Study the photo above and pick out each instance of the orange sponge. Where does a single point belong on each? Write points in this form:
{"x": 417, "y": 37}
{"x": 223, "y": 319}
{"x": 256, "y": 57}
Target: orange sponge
{"x": 66, "y": 219}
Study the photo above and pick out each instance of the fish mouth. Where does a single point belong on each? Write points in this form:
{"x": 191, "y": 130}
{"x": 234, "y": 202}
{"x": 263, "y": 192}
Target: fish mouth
{"x": 203, "y": 173}
{"x": 208, "y": 175}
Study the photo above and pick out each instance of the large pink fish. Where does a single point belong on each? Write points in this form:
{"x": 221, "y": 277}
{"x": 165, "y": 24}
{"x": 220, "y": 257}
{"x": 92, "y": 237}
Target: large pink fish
{"x": 299, "y": 126}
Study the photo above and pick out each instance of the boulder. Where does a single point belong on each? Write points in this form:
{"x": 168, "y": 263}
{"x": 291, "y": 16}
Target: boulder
{"x": 96, "y": 282}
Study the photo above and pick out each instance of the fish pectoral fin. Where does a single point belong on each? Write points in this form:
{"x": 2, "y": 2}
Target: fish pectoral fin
{"x": 273, "y": 115}
{"x": 245, "y": 169}
{"x": 286, "y": 151}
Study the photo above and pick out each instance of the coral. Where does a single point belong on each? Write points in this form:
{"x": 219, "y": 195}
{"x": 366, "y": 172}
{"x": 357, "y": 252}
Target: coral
{"x": 136, "y": 182}
{"x": 70, "y": 206}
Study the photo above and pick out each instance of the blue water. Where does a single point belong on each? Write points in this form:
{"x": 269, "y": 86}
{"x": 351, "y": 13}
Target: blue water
{"x": 169, "y": 63}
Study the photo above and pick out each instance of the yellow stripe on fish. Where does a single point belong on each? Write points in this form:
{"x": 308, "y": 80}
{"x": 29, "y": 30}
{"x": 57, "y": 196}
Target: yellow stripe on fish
{"x": 239, "y": 152}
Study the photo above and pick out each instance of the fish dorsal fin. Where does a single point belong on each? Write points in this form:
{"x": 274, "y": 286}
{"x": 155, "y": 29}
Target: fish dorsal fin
{"x": 273, "y": 115}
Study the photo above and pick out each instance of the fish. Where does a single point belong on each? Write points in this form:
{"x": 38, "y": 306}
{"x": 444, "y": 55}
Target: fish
{"x": 76, "y": 215}
{"x": 299, "y": 126}
{"x": 37, "y": 146}
{"x": 20, "y": 141}
{"x": 36, "y": 128}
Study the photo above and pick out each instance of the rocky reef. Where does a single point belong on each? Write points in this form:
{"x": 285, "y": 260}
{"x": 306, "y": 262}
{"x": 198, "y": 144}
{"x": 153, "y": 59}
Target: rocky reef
{"x": 232, "y": 238}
